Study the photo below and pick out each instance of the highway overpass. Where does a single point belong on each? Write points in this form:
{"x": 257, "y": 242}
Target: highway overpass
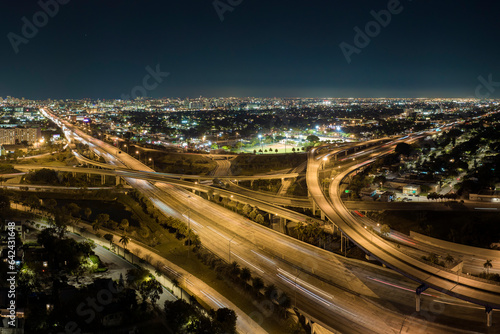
{"x": 454, "y": 284}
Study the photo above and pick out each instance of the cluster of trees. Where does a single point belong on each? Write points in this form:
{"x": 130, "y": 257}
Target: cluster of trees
{"x": 312, "y": 233}
{"x": 7, "y": 169}
{"x": 358, "y": 182}
{"x": 64, "y": 253}
{"x": 436, "y": 196}
{"x": 263, "y": 185}
{"x": 250, "y": 164}
{"x": 181, "y": 231}
{"x": 179, "y": 164}
{"x": 51, "y": 177}
{"x": 184, "y": 318}
{"x": 133, "y": 299}
{"x": 293, "y": 149}
{"x": 243, "y": 278}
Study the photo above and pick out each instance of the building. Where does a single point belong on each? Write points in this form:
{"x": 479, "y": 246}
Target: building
{"x": 12, "y": 136}
{"x": 411, "y": 189}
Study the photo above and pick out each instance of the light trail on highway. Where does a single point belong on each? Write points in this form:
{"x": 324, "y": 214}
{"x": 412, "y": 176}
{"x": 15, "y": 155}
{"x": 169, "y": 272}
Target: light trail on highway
{"x": 342, "y": 278}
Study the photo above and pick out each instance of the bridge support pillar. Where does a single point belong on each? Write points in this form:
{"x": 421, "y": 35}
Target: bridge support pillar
{"x": 251, "y": 184}
{"x": 418, "y": 292}
{"x": 314, "y": 207}
{"x": 117, "y": 180}
{"x": 282, "y": 180}
{"x": 489, "y": 316}
{"x": 282, "y": 225}
{"x": 103, "y": 179}
{"x": 322, "y": 215}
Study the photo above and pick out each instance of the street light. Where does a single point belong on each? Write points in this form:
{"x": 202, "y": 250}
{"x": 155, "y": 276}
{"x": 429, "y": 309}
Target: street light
{"x": 189, "y": 225}
{"x": 126, "y": 146}
{"x": 139, "y": 153}
{"x": 151, "y": 160}
{"x": 261, "y": 148}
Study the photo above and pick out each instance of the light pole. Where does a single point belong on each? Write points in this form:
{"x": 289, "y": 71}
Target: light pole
{"x": 189, "y": 225}
{"x": 138, "y": 153}
{"x": 286, "y": 138}
{"x": 261, "y": 148}
{"x": 126, "y": 146}
{"x": 151, "y": 160}
{"x": 229, "y": 249}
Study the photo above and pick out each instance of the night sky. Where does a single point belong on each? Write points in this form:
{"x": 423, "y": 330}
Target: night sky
{"x": 101, "y": 48}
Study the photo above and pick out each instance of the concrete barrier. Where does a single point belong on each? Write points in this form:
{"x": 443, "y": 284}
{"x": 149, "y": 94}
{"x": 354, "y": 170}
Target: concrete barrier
{"x": 479, "y": 252}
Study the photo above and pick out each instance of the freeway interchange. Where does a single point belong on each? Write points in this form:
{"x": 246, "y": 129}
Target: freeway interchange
{"x": 338, "y": 293}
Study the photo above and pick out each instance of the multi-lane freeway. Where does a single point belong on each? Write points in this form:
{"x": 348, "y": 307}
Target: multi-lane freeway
{"x": 453, "y": 284}
{"x": 342, "y": 294}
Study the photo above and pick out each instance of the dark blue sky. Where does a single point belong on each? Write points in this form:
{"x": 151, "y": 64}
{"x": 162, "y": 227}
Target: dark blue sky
{"x": 100, "y": 49}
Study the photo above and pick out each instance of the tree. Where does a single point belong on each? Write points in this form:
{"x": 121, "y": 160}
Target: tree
{"x": 449, "y": 258}
{"x": 258, "y": 284}
{"x": 176, "y": 283}
{"x": 284, "y": 302}
{"x": 96, "y": 226}
{"x": 177, "y": 314}
{"x": 247, "y": 209}
{"x": 102, "y": 219}
{"x": 487, "y": 265}
{"x": 403, "y": 148}
{"x": 150, "y": 289}
{"x": 385, "y": 230}
{"x": 325, "y": 183}
{"x": 433, "y": 257}
{"x": 33, "y": 201}
{"x": 124, "y": 225}
{"x": 50, "y": 203}
{"x": 73, "y": 209}
{"x": 259, "y": 219}
{"x": 4, "y": 202}
{"x": 225, "y": 321}
{"x": 379, "y": 179}
{"x": 245, "y": 274}
{"x": 124, "y": 241}
{"x": 312, "y": 138}
{"x": 2, "y": 180}
{"x": 271, "y": 292}
{"x": 109, "y": 237}
{"x": 87, "y": 213}
{"x": 234, "y": 269}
